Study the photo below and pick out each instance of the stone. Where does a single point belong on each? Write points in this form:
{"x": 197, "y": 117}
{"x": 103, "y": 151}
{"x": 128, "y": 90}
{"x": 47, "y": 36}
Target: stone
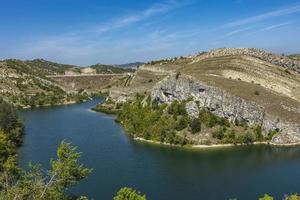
{"x": 192, "y": 109}
{"x": 223, "y": 104}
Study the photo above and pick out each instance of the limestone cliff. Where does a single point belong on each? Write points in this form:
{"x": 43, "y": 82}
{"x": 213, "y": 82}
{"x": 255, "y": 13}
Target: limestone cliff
{"x": 224, "y": 104}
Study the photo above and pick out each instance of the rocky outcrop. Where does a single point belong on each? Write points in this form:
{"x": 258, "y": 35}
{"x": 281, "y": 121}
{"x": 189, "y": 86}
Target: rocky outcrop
{"x": 283, "y": 61}
{"x": 192, "y": 109}
{"x": 223, "y": 104}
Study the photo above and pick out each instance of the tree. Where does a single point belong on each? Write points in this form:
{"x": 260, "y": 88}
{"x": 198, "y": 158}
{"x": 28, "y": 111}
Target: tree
{"x": 195, "y": 125}
{"x": 38, "y": 184}
{"x": 182, "y": 123}
{"x": 266, "y": 197}
{"x": 8, "y": 116}
{"x": 219, "y": 134}
{"x": 292, "y": 197}
{"x": 129, "y": 194}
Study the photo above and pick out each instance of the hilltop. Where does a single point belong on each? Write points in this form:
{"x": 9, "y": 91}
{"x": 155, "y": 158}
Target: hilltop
{"x": 245, "y": 84}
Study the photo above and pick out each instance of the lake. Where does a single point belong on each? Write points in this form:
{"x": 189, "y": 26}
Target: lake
{"x": 161, "y": 172}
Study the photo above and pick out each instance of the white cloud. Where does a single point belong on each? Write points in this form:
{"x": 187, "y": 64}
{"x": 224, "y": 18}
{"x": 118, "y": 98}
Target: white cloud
{"x": 237, "y": 31}
{"x": 270, "y": 28}
{"x": 264, "y": 16}
{"x": 149, "y": 12}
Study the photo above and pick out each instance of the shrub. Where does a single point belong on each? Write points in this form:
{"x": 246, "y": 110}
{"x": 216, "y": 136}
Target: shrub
{"x": 195, "y": 125}
{"x": 177, "y": 108}
{"x": 219, "y": 134}
{"x": 212, "y": 120}
{"x": 258, "y": 133}
{"x": 182, "y": 123}
{"x": 248, "y": 138}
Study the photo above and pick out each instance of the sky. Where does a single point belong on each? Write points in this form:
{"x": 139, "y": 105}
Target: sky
{"x": 85, "y": 32}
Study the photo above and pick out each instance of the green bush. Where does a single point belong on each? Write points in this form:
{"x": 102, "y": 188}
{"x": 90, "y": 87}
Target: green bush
{"x": 195, "y": 125}
{"x": 219, "y": 134}
{"x": 258, "y": 133}
{"x": 248, "y": 138}
{"x": 211, "y": 120}
{"x": 176, "y": 108}
{"x": 182, "y": 123}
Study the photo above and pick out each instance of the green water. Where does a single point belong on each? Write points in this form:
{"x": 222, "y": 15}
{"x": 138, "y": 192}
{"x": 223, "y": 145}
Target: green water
{"x": 163, "y": 173}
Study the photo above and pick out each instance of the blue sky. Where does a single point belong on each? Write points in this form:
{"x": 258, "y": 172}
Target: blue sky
{"x": 86, "y": 32}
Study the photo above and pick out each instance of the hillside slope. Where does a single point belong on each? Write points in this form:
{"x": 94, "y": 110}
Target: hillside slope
{"x": 270, "y": 81}
{"x": 24, "y": 83}
{"x": 29, "y": 83}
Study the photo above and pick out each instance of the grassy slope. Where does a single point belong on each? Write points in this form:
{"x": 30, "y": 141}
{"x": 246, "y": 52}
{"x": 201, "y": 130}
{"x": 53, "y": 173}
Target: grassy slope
{"x": 253, "y": 79}
{"x": 24, "y": 83}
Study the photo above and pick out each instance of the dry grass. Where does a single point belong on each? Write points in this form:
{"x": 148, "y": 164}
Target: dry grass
{"x": 271, "y": 86}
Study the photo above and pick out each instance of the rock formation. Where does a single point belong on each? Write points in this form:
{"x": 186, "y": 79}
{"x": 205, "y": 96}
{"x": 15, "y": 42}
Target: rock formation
{"x": 223, "y": 104}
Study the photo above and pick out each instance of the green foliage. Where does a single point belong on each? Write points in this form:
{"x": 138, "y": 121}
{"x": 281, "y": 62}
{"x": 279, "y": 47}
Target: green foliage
{"x": 248, "y": 138}
{"x": 286, "y": 197}
{"x": 8, "y": 117}
{"x": 176, "y": 108}
{"x": 129, "y": 194}
{"x": 182, "y": 123}
{"x": 258, "y": 133}
{"x": 6, "y": 148}
{"x": 219, "y": 134}
{"x": 38, "y": 184}
{"x": 34, "y": 184}
{"x": 266, "y": 197}
{"x": 66, "y": 168}
{"x": 292, "y": 197}
{"x": 195, "y": 125}
{"x": 151, "y": 123}
{"x": 11, "y": 130}
{"x": 211, "y": 120}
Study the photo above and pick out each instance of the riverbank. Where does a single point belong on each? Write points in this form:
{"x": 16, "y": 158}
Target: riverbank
{"x": 205, "y": 146}
{"x": 59, "y": 104}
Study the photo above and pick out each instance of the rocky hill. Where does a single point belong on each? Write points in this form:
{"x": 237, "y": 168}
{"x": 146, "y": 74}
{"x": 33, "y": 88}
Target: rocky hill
{"x": 28, "y": 83}
{"x": 250, "y": 85}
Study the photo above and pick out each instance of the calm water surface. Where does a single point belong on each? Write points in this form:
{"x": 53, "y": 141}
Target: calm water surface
{"x": 163, "y": 173}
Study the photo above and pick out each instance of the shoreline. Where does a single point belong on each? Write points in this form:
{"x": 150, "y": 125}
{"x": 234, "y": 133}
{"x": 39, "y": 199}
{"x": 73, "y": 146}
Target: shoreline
{"x": 50, "y": 105}
{"x": 204, "y": 146}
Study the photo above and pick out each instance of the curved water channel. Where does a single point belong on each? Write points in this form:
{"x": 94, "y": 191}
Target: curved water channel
{"x": 161, "y": 172}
